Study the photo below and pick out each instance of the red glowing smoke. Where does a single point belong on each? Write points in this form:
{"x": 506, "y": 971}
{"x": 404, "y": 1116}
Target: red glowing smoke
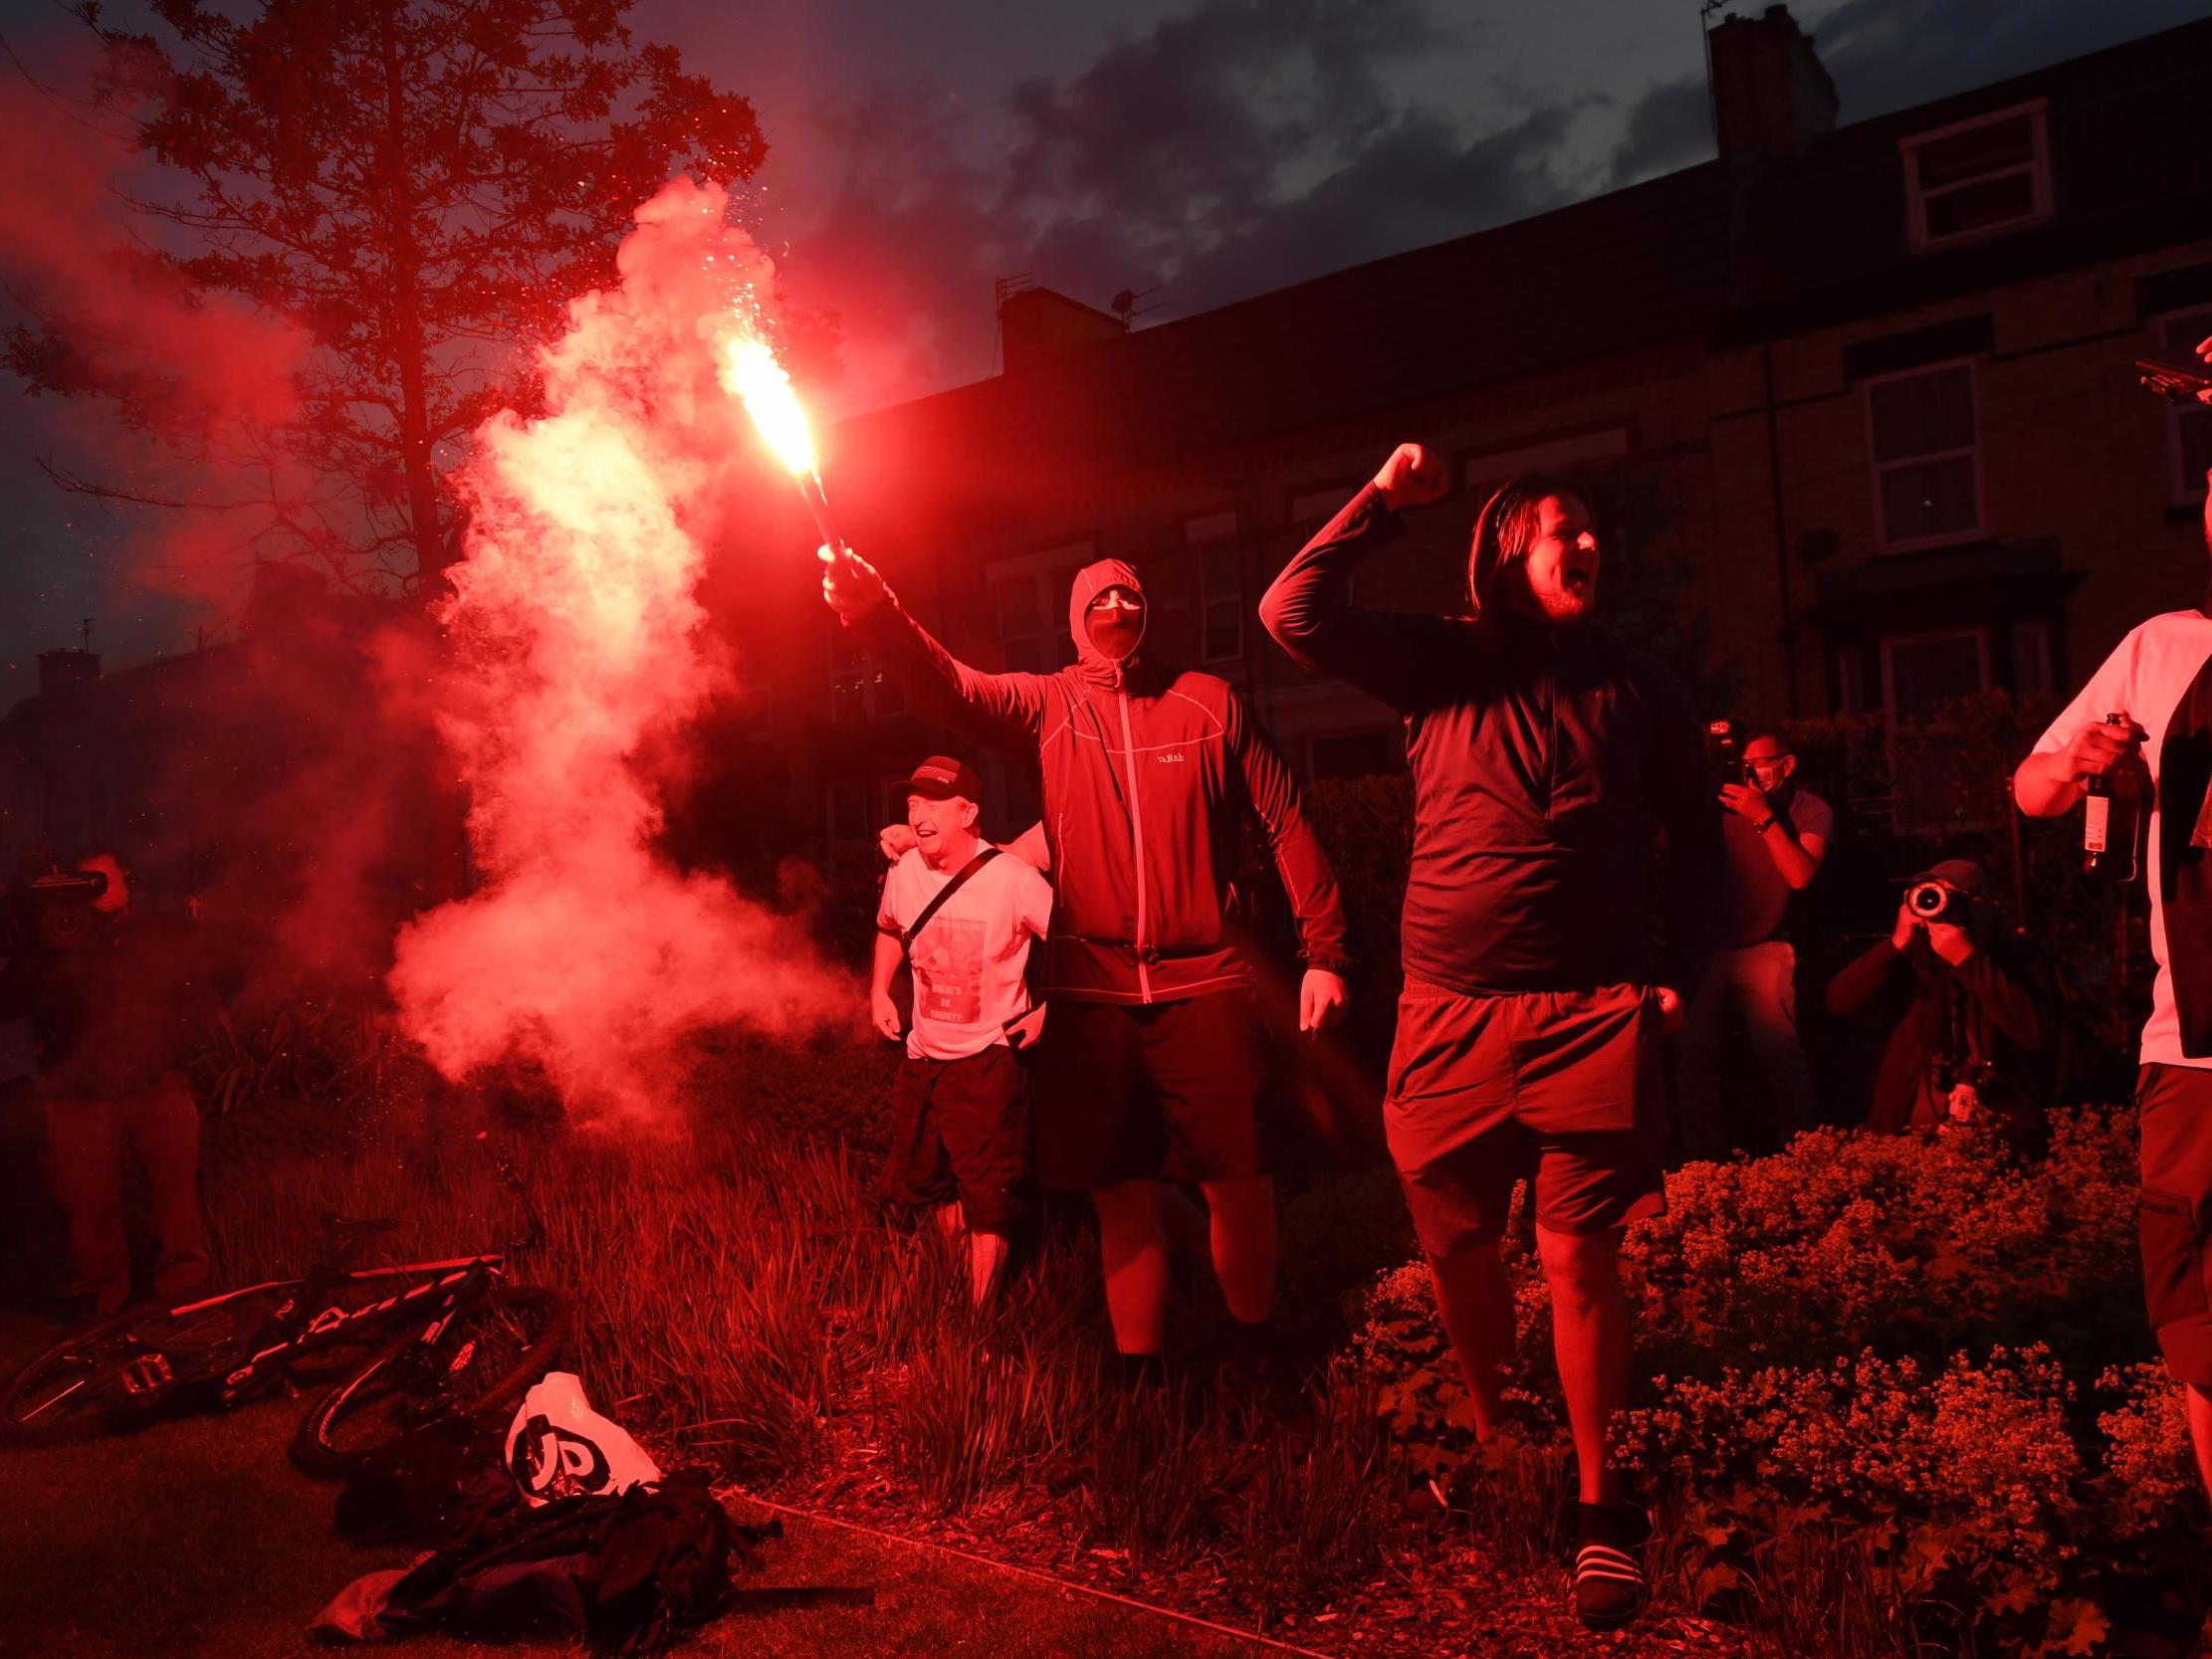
{"x": 578, "y": 647}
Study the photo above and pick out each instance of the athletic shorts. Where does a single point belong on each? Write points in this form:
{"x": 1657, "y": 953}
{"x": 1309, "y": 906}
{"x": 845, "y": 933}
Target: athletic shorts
{"x": 1140, "y": 1092}
{"x": 2175, "y": 1106}
{"x": 960, "y": 1132}
{"x": 1562, "y": 1087}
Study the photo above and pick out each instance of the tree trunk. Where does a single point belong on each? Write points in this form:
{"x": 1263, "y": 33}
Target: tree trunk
{"x": 404, "y": 264}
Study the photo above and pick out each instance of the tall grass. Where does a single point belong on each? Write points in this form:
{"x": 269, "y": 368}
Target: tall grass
{"x": 741, "y": 1302}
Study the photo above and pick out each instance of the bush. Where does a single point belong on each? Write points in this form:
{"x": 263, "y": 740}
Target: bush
{"x": 1867, "y": 1376}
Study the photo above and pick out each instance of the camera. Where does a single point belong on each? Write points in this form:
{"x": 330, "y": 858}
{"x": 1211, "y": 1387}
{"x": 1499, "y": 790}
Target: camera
{"x": 1933, "y": 902}
{"x": 56, "y": 901}
{"x": 1724, "y": 753}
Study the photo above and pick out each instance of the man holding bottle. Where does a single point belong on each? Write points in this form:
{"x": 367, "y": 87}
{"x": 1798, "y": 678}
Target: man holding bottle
{"x": 2158, "y": 683}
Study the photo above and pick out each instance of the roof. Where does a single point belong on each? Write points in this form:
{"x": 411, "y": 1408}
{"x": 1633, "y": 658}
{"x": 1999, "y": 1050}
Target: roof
{"x": 1727, "y": 250}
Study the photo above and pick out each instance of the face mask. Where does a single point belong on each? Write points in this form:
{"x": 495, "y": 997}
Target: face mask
{"x": 1114, "y": 630}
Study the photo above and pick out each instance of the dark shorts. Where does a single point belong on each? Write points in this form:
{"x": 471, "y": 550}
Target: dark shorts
{"x": 2175, "y": 1106}
{"x": 960, "y": 1131}
{"x": 1563, "y": 1087}
{"x": 1131, "y": 1093}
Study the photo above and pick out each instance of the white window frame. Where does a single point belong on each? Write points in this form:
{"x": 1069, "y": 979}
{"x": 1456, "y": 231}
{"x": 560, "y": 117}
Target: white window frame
{"x": 2187, "y": 491}
{"x": 1202, "y": 533}
{"x": 881, "y": 698}
{"x": 1049, "y": 570}
{"x": 1978, "y": 632}
{"x": 1884, "y": 542}
{"x": 2037, "y": 166}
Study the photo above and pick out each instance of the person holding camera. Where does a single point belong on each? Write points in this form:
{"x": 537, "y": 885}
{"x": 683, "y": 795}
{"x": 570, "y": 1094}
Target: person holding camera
{"x": 1774, "y": 835}
{"x": 2147, "y": 710}
{"x": 1973, "y": 1014}
{"x": 962, "y": 916}
{"x": 1530, "y": 1026}
{"x": 113, "y": 993}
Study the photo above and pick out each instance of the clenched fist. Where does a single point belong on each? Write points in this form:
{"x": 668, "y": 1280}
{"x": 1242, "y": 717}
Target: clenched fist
{"x": 852, "y": 586}
{"x": 1414, "y": 476}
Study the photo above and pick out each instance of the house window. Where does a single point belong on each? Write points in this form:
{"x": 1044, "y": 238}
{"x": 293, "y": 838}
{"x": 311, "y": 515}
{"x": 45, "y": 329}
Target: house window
{"x": 860, "y": 689}
{"x": 1923, "y": 434}
{"x": 1220, "y": 565}
{"x": 2189, "y": 425}
{"x": 845, "y": 806}
{"x": 1013, "y": 601}
{"x": 1923, "y": 672}
{"x": 1978, "y": 177}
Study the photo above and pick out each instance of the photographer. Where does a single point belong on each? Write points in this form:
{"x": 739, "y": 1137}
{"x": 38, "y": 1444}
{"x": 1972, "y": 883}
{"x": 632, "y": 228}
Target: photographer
{"x": 1972, "y": 1042}
{"x": 1775, "y": 835}
{"x": 112, "y": 993}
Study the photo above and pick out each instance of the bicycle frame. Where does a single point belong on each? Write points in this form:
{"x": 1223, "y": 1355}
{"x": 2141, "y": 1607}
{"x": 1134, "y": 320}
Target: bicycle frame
{"x": 442, "y": 1285}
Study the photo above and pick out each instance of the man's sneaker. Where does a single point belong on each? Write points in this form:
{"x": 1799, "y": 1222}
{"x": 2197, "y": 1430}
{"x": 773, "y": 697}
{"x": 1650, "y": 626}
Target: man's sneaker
{"x": 1610, "y": 1587}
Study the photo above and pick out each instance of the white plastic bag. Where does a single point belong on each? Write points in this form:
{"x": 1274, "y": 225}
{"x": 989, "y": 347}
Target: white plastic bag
{"x": 558, "y": 1447}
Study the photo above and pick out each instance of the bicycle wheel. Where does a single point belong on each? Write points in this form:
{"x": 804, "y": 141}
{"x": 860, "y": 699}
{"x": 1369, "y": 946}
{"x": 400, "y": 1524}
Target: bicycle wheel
{"x": 130, "y": 1369}
{"x": 491, "y": 1349}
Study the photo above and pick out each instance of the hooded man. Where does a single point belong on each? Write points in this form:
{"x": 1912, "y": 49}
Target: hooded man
{"x": 1528, "y": 1031}
{"x": 1150, "y": 1063}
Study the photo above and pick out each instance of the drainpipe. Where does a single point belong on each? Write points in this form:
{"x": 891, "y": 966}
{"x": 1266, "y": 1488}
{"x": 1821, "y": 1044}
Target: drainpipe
{"x": 1781, "y": 532}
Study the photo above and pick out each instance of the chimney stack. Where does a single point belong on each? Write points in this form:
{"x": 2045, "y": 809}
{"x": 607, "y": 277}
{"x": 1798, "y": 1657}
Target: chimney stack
{"x": 1036, "y": 325}
{"x": 1771, "y": 96}
{"x": 64, "y": 673}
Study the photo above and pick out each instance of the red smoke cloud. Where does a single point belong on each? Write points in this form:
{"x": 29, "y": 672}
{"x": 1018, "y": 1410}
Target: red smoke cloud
{"x": 577, "y": 647}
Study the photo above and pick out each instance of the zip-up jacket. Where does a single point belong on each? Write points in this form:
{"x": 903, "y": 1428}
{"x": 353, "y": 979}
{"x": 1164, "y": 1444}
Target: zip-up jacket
{"x": 1146, "y": 773}
{"x": 1539, "y": 754}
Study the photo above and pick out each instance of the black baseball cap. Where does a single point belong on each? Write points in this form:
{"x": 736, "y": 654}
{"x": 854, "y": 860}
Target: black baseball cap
{"x": 940, "y": 778}
{"x": 1964, "y": 875}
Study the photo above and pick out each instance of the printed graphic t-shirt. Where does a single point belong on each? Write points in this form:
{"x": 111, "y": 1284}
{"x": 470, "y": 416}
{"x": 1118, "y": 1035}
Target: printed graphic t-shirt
{"x": 968, "y": 963}
{"x": 2158, "y": 676}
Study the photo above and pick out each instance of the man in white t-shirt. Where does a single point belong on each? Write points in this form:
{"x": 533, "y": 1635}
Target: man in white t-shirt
{"x": 960, "y": 1110}
{"x": 2159, "y": 680}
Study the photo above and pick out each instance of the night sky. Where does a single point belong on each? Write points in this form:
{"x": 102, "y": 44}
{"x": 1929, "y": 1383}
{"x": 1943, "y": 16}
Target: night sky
{"x": 1204, "y": 151}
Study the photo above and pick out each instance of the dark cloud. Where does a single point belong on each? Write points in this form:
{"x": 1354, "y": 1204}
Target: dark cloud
{"x": 1887, "y": 55}
{"x": 1413, "y": 184}
{"x": 1669, "y": 126}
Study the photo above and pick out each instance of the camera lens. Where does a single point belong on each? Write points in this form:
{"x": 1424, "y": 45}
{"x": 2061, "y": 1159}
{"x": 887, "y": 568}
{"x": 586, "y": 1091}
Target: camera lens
{"x": 1929, "y": 899}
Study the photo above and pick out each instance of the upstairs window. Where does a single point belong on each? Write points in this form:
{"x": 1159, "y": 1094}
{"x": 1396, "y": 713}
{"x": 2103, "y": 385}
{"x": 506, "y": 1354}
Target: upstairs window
{"x": 1924, "y": 435}
{"x": 1978, "y": 177}
{"x": 860, "y": 688}
{"x": 1220, "y": 564}
{"x": 1028, "y": 603}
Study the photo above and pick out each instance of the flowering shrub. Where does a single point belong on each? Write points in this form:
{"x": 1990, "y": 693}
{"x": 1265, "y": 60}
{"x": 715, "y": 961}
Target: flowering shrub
{"x": 1869, "y": 1375}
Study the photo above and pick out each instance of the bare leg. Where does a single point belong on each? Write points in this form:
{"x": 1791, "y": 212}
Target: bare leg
{"x": 951, "y": 1225}
{"x": 2199, "y": 1403}
{"x": 1133, "y": 1240}
{"x": 1475, "y": 1303}
{"x": 1243, "y": 1242}
{"x": 1590, "y": 1340}
{"x": 986, "y": 1254}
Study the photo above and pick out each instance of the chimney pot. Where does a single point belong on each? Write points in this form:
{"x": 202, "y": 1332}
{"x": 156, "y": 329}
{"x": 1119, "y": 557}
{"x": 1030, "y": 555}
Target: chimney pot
{"x": 1771, "y": 95}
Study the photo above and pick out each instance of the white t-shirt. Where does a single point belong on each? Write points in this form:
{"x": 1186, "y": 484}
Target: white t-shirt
{"x": 968, "y": 963}
{"x": 2157, "y": 676}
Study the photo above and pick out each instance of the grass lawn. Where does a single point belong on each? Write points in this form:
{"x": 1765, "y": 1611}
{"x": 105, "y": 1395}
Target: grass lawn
{"x": 198, "y": 1538}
